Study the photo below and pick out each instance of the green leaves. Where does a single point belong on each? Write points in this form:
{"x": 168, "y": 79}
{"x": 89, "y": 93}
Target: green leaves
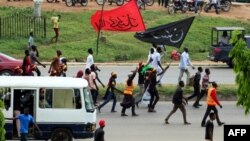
{"x": 241, "y": 58}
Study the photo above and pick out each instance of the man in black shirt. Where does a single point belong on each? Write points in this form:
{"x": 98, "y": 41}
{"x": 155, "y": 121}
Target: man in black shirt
{"x": 99, "y": 133}
{"x": 153, "y": 91}
{"x": 179, "y": 103}
{"x": 110, "y": 93}
{"x": 141, "y": 80}
{"x": 210, "y": 127}
{"x": 196, "y": 86}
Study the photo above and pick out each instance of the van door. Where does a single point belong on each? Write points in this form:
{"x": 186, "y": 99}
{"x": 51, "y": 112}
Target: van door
{"x": 23, "y": 98}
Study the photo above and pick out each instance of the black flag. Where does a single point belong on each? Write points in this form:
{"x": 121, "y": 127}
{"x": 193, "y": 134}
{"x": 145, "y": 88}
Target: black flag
{"x": 172, "y": 34}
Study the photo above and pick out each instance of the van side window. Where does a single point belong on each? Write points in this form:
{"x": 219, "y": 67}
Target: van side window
{"x": 44, "y": 98}
{"x": 77, "y": 99}
{"x": 5, "y": 97}
{"x": 59, "y": 98}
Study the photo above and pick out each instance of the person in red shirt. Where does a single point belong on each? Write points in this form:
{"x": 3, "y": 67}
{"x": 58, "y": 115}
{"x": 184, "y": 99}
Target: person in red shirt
{"x": 212, "y": 101}
{"x": 26, "y": 66}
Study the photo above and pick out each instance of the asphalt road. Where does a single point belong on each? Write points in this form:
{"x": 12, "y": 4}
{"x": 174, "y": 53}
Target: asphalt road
{"x": 222, "y": 75}
{"x": 151, "y": 127}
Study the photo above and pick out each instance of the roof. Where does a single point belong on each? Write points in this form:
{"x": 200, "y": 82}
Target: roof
{"x": 37, "y": 82}
{"x": 228, "y": 28}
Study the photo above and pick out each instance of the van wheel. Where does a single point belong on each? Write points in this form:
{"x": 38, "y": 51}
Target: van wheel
{"x": 61, "y": 134}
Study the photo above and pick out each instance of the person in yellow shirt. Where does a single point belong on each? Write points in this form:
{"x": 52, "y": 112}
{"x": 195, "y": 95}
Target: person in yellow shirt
{"x": 55, "y": 21}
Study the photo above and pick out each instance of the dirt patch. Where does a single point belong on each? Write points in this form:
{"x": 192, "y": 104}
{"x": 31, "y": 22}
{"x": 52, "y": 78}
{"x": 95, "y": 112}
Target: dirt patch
{"x": 239, "y": 12}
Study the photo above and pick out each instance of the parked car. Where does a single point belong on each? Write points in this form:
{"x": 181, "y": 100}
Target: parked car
{"x": 8, "y": 64}
{"x": 220, "y": 51}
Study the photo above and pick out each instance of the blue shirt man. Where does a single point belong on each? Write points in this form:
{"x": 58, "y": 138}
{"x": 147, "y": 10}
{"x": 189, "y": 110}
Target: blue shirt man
{"x": 25, "y": 120}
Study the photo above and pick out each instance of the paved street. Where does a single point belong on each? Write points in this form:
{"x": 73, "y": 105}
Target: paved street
{"x": 223, "y": 75}
{"x": 151, "y": 127}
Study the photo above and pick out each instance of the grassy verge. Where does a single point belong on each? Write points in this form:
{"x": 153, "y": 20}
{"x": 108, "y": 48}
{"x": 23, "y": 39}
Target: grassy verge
{"x": 224, "y": 92}
{"x": 77, "y": 35}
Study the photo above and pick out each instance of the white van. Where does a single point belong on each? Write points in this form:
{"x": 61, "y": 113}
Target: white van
{"x": 62, "y": 107}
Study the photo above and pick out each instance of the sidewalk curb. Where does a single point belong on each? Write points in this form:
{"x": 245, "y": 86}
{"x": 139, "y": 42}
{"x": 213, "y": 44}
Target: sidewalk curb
{"x": 136, "y": 64}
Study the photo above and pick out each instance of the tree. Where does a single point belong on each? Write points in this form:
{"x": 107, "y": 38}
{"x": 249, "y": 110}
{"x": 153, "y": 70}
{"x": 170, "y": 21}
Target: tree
{"x": 2, "y": 130}
{"x": 241, "y": 59}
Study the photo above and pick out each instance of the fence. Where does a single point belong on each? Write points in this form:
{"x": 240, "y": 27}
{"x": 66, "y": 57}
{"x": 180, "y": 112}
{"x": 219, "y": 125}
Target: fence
{"x": 19, "y": 25}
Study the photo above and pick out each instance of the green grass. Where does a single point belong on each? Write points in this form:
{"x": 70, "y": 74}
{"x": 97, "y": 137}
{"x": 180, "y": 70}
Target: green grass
{"x": 224, "y": 92}
{"x": 77, "y": 35}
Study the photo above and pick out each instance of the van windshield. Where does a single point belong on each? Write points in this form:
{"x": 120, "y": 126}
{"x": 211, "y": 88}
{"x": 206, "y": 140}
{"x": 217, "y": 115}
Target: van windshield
{"x": 88, "y": 101}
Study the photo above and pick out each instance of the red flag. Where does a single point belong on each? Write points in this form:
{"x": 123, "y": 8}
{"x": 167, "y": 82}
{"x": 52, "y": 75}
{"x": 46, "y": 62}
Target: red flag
{"x": 123, "y": 18}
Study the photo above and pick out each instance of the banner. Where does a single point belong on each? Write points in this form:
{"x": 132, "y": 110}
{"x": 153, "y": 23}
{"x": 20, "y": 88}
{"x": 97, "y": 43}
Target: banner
{"x": 172, "y": 34}
{"x": 124, "y": 18}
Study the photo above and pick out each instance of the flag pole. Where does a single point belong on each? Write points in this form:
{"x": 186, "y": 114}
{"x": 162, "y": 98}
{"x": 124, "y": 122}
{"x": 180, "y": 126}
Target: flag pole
{"x": 99, "y": 27}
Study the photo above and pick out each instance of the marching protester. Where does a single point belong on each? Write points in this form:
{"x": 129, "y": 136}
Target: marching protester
{"x": 184, "y": 63}
{"x": 110, "y": 93}
{"x": 210, "y": 127}
{"x": 34, "y": 54}
{"x": 204, "y": 86}
{"x": 99, "y": 132}
{"x": 150, "y": 56}
{"x": 212, "y": 101}
{"x": 153, "y": 91}
{"x": 86, "y": 75}
{"x": 141, "y": 80}
{"x": 26, "y": 66}
{"x": 79, "y": 74}
{"x": 94, "y": 68}
{"x": 179, "y": 103}
{"x": 196, "y": 86}
{"x": 93, "y": 86}
{"x": 156, "y": 62}
{"x": 90, "y": 58}
{"x": 55, "y": 21}
{"x": 55, "y": 65}
{"x": 128, "y": 100}
{"x": 63, "y": 66}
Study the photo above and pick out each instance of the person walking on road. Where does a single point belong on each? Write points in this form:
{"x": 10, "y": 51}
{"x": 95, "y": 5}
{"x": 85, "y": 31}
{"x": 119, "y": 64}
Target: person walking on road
{"x": 128, "y": 100}
{"x": 210, "y": 127}
{"x": 110, "y": 94}
{"x": 204, "y": 86}
{"x": 184, "y": 63}
{"x": 99, "y": 133}
{"x": 26, "y": 66}
{"x": 212, "y": 101}
{"x": 54, "y": 69}
{"x": 197, "y": 87}
{"x": 153, "y": 91}
{"x": 34, "y": 58}
{"x": 156, "y": 62}
{"x": 141, "y": 80}
{"x": 179, "y": 103}
{"x": 92, "y": 86}
{"x": 90, "y": 59}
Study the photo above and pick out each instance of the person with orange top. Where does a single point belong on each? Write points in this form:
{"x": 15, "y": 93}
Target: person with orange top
{"x": 212, "y": 101}
{"x": 128, "y": 100}
{"x": 55, "y": 69}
